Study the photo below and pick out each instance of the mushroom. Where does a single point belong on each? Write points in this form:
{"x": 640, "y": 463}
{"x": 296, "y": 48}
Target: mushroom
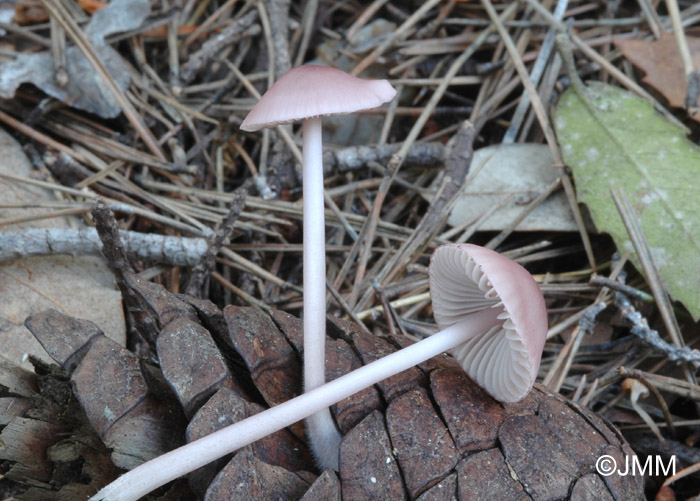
{"x": 638, "y": 390}
{"x": 494, "y": 322}
{"x": 467, "y": 280}
{"x": 307, "y": 93}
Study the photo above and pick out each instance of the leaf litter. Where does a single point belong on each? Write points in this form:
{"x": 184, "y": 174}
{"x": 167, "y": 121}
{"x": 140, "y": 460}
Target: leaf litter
{"x": 661, "y": 62}
{"x": 84, "y": 88}
{"x": 79, "y": 285}
{"x": 450, "y": 68}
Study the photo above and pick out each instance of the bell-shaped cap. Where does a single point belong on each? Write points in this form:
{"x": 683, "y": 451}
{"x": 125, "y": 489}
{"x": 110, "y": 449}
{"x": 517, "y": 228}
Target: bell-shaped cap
{"x": 504, "y": 359}
{"x": 312, "y": 91}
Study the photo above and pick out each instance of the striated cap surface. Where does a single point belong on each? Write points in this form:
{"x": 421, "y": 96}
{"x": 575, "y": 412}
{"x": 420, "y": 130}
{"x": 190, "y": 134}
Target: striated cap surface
{"x": 312, "y": 91}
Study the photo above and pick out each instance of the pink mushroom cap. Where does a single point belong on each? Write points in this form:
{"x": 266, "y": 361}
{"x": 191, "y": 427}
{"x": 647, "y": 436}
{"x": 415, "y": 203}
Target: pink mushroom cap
{"x": 505, "y": 359}
{"x": 311, "y": 91}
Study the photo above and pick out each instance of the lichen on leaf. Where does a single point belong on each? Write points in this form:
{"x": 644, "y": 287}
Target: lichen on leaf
{"x": 610, "y": 137}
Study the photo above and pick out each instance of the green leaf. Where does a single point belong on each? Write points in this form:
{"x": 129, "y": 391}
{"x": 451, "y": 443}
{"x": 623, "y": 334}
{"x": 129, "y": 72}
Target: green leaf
{"x": 611, "y": 137}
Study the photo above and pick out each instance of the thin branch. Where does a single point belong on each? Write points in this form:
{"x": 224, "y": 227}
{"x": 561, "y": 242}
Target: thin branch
{"x": 169, "y": 250}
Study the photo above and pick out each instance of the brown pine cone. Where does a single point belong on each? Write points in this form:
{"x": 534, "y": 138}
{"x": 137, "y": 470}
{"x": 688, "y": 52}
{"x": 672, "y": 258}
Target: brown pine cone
{"x": 428, "y": 433}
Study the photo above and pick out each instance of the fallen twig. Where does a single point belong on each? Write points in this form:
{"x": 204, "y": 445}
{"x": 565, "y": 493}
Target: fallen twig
{"x": 222, "y": 231}
{"x": 170, "y": 250}
{"x": 354, "y": 157}
{"x": 233, "y": 32}
{"x": 641, "y": 329}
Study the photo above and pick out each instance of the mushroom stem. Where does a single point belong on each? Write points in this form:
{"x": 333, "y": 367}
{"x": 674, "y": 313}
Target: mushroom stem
{"x": 156, "y": 472}
{"x": 322, "y": 432}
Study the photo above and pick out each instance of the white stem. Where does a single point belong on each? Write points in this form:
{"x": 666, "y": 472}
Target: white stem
{"x": 322, "y": 432}
{"x": 151, "y": 475}
{"x": 314, "y": 257}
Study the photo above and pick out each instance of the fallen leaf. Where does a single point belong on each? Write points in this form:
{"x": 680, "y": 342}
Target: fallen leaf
{"x": 92, "y": 6}
{"x": 85, "y": 89}
{"x": 80, "y": 286}
{"x": 611, "y": 137}
{"x": 662, "y": 63}
{"x": 33, "y": 13}
{"x": 182, "y": 30}
{"x": 521, "y": 170}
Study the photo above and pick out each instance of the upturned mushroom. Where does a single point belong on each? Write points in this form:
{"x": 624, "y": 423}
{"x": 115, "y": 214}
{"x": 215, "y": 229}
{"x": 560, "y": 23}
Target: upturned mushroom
{"x": 494, "y": 322}
{"x": 468, "y": 282}
{"x": 308, "y": 93}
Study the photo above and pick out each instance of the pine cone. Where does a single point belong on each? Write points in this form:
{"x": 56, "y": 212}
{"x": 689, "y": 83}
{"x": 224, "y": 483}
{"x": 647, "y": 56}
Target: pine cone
{"x": 428, "y": 433}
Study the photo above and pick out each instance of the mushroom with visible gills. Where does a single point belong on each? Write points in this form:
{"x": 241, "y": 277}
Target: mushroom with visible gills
{"x": 307, "y": 93}
{"x": 468, "y": 281}
{"x": 494, "y": 322}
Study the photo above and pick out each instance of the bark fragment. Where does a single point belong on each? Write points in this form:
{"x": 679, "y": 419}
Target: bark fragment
{"x": 65, "y": 339}
{"x": 247, "y": 477}
{"x": 325, "y": 488}
{"x": 422, "y": 444}
{"x": 471, "y": 415}
{"x": 445, "y": 490}
{"x": 368, "y": 469}
{"x": 192, "y": 364}
{"x": 484, "y": 475}
{"x": 590, "y": 488}
{"x": 373, "y": 348}
{"x": 272, "y": 363}
{"x": 108, "y": 383}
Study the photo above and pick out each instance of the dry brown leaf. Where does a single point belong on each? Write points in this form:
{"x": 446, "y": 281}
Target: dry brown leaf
{"x": 91, "y": 6}
{"x": 31, "y": 13}
{"x": 661, "y": 61}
